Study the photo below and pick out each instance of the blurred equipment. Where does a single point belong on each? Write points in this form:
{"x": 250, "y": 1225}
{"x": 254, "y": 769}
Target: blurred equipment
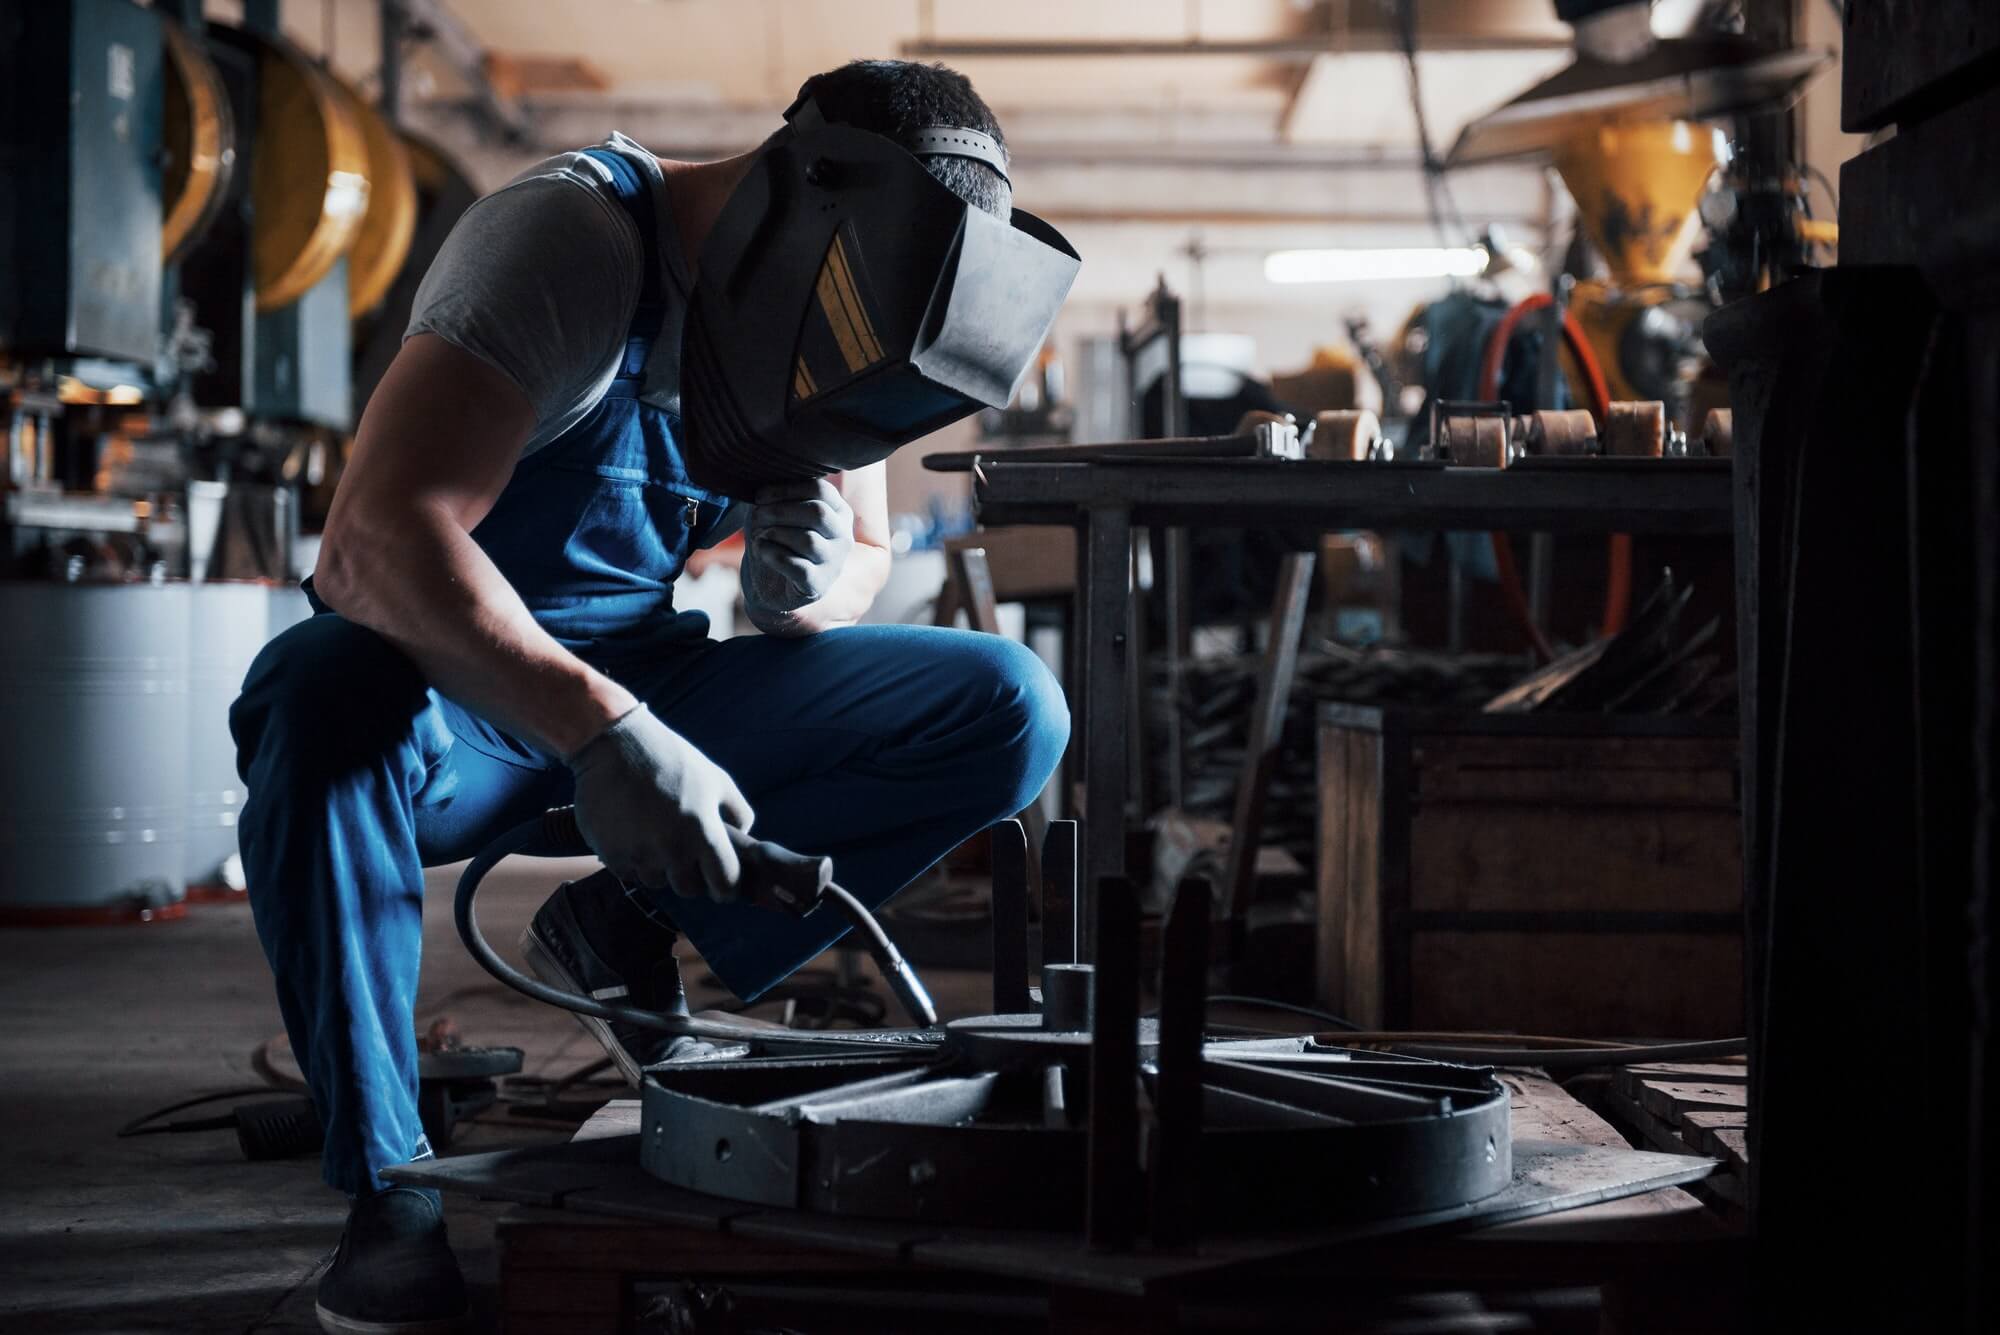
{"x": 80, "y": 215}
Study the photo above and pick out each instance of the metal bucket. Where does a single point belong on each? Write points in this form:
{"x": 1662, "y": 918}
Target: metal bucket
{"x": 230, "y": 623}
{"x": 93, "y": 749}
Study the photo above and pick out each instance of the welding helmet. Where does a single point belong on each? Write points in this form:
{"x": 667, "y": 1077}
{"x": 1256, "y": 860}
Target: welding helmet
{"x": 847, "y": 303}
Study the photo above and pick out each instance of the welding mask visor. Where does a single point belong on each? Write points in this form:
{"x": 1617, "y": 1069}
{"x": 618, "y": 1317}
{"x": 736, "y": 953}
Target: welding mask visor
{"x": 848, "y": 303}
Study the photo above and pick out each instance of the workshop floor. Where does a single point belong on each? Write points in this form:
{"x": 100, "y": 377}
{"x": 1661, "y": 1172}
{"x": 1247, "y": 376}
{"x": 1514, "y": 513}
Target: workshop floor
{"x": 99, "y": 1025}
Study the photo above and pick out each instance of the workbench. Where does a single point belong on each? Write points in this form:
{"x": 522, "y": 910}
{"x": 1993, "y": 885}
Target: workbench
{"x": 1105, "y": 500}
{"x": 595, "y": 1244}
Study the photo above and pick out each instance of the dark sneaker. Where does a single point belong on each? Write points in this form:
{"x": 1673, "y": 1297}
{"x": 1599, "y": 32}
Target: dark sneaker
{"x": 589, "y": 938}
{"x": 394, "y": 1273}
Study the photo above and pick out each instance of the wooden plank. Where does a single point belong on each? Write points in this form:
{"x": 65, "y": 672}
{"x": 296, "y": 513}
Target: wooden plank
{"x": 1700, "y": 1121}
{"x": 1721, "y": 1073}
{"x": 1450, "y": 763}
{"x": 1662, "y": 1135}
{"x": 1671, "y": 1100}
{"x": 1365, "y": 999}
{"x": 1587, "y": 984}
{"x": 1472, "y": 857}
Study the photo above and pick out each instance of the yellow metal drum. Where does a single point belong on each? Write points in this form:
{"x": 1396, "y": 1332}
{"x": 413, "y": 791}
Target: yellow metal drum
{"x": 199, "y": 141}
{"x": 308, "y": 175}
{"x": 391, "y": 221}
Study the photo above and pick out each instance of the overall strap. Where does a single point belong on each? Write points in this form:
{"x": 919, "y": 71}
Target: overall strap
{"x": 637, "y": 198}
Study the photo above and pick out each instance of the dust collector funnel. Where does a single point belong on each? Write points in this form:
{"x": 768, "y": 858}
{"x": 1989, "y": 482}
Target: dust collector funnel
{"x": 1636, "y": 185}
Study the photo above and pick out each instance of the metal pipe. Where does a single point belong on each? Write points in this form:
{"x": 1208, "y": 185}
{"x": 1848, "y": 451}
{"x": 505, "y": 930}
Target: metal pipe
{"x": 1110, "y": 1220}
{"x": 1010, "y": 918}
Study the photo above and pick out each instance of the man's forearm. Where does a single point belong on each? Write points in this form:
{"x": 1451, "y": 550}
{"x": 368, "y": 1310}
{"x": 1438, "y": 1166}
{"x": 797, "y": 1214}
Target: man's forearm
{"x": 416, "y": 578}
{"x": 853, "y": 593}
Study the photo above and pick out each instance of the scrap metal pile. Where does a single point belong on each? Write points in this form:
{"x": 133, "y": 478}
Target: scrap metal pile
{"x": 1656, "y": 665}
{"x": 1215, "y": 705}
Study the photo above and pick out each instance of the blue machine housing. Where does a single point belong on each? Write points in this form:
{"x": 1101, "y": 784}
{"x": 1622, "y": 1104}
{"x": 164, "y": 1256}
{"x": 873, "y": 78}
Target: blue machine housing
{"x": 81, "y": 96}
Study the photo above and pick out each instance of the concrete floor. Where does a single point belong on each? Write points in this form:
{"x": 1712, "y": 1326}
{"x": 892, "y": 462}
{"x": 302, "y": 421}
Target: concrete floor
{"x": 99, "y": 1025}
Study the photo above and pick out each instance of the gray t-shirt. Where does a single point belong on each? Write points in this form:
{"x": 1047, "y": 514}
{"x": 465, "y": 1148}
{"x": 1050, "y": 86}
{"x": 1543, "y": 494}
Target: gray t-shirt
{"x": 539, "y": 280}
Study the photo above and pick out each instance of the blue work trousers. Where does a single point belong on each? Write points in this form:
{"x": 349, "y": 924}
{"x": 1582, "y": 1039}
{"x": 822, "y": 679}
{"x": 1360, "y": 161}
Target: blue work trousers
{"x": 881, "y": 746}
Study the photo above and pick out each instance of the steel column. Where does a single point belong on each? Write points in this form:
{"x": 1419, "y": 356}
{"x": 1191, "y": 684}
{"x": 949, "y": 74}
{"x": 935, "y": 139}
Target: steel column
{"x": 1104, "y": 591}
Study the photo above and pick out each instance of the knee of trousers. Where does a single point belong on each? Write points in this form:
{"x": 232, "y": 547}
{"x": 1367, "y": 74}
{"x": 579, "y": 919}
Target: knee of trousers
{"x": 1028, "y": 722}
{"x": 326, "y": 697}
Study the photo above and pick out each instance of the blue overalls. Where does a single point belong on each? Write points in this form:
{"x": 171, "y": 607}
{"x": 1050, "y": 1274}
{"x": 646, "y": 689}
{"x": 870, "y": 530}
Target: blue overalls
{"x": 880, "y": 746}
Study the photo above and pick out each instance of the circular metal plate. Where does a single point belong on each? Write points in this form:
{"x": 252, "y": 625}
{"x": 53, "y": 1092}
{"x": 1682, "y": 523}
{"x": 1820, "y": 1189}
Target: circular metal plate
{"x": 981, "y": 1131}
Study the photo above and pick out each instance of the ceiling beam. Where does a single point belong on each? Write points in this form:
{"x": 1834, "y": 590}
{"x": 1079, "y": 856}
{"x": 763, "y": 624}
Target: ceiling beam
{"x": 1299, "y": 50}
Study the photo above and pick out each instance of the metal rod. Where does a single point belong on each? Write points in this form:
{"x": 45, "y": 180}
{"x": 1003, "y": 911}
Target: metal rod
{"x": 1110, "y": 1220}
{"x": 1010, "y": 918}
{"x": 1105, "y": 594}
{"x": 1176, "y": 1145}
{"x": 1267, "y": 726}
{"x": 1059, "y": 897}
{"x": 391, "y": 27}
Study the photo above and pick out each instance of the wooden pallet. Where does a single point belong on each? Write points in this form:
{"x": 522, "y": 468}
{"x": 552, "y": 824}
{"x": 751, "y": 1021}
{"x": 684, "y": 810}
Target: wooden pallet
{"x": 1699, "y": 1107}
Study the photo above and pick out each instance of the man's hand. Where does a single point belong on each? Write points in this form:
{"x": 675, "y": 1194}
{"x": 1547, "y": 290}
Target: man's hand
{"x": 799, "y": 537}
{"x": 657, "y": 811}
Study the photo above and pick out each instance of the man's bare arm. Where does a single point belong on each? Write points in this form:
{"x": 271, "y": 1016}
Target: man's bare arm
{"x": 437, "y": 444}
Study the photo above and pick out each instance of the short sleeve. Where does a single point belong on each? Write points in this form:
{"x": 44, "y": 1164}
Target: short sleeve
{"x": 538, "y": 280}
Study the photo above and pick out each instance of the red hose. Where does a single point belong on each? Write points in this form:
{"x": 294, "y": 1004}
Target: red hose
{"x": 1618, "y": 550}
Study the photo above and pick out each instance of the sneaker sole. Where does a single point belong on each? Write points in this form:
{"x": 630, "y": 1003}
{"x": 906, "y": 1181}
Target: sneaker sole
{"x": 549, "y": 969}
{"x": 336, "y": 1324}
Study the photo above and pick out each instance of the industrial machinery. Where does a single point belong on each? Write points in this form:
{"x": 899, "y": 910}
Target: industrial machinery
{"x": 197, "y": 216}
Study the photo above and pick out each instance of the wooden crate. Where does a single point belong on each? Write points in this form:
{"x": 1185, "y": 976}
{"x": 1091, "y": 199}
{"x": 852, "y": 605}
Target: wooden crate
{"x": 1540, "y": 874}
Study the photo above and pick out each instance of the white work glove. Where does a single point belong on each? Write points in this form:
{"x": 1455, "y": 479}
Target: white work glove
{"x": 799, "y": 536}
{"x": 657, "y": 811}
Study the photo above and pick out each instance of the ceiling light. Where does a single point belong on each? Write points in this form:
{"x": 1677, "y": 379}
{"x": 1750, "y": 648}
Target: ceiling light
{"x": 1356, "y": 266}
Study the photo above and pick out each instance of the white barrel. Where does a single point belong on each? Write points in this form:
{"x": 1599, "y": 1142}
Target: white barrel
{"x": 230, "y": 621}
{"x": 93, "y": 745}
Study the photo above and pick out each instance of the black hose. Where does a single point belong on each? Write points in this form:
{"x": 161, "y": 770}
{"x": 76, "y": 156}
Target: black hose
{"x": 554, "y": 834}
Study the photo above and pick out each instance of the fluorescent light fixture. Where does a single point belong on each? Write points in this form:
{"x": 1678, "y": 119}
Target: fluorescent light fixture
{"x": 1356, "y": 266}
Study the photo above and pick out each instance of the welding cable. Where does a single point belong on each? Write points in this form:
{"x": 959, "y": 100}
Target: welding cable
{"x": 554, "y": 835}
{"x": 146, "y": 1126}
{"x": 1618, "y": 548}
{"x": 1290, "y": 1008}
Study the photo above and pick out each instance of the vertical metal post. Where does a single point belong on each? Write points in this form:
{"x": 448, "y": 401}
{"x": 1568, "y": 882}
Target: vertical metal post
{"x": 261, "y": 16}
{"x": 1173, "y": 574}
{"x": 1267, "y": 726}
{"x": 1110, "y": 1218}
{"x": 1104, "y": 590}
{"x": 1175, "y": 1151}
{"x": 392, "y": 25}
{"x": 1010, "y": 918}
{"x": 1059, "y": 897}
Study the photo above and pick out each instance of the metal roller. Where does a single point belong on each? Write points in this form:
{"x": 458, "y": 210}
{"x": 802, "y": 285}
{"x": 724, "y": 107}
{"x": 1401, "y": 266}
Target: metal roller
{"x": 1475, "y": 440}
{"x": 390, "y": 225}
{"x": 198, "y": 143}
{"x": 1349, "y": 433}
{"x": 1636, "y": 430}
{"x": 308, "y": 174}
{"x": 1566, "y": 432}
{"x": 1718, "y": 433}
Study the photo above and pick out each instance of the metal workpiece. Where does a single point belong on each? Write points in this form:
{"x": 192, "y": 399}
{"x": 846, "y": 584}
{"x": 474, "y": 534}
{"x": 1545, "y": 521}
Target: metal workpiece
{"x": 1474, "y": 435}
{"x": 1068, "y": 993}
{"x": 994, "y": 1134}
{"x": 1010, "y": 917}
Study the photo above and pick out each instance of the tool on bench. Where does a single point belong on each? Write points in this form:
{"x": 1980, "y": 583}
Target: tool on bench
{"x": 772, "y": 877}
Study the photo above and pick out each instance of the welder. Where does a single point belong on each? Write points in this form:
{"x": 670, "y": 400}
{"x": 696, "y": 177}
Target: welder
{"x": 616, "y": 360}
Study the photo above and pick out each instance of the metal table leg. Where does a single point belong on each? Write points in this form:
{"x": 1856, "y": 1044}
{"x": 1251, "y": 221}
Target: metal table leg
{"x": 1104, "y": 594}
